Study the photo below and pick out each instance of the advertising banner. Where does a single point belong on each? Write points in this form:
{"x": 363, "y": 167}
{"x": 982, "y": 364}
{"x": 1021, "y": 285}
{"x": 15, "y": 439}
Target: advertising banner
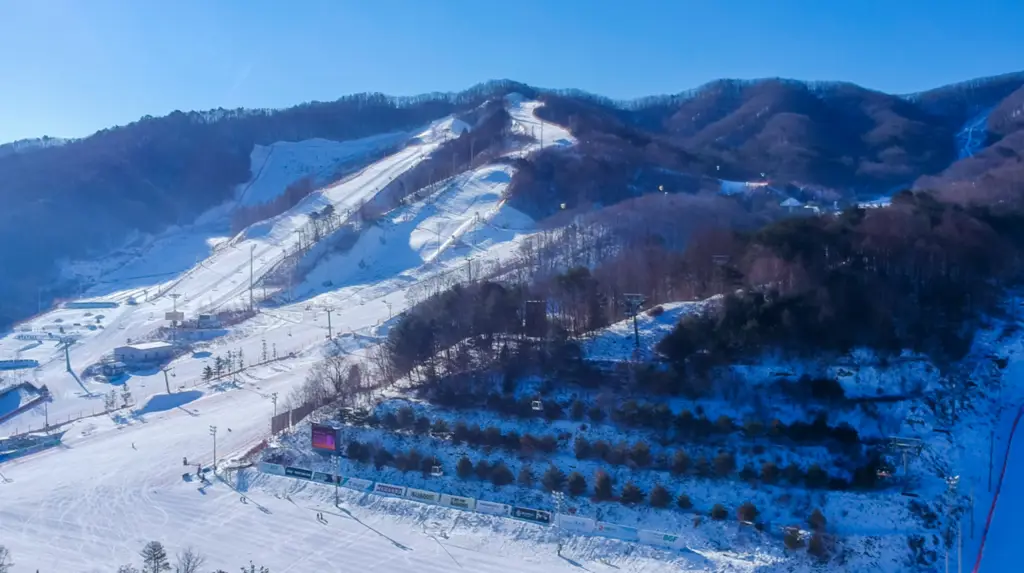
{"x": 458, "y": 502}
{"x": 298, "y": 473}
{"x": 358, "y": 484}
{"x": 658, "y": 538}
{"x": 576, "y": 524}
{"x": 388, "y": 489}
{"x": 323, "y": 477}
{"x": 325, "y": 438}
{"x": 274, "y": 469}
{"x": 422, "y": 495}
{"x": 534, "y": 515}
{"x": 617, "y": 531}
{"x": 492, "y": 508}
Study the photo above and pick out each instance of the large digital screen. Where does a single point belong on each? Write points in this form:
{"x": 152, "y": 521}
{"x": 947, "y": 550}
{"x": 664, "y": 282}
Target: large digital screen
{"x": 325, "y": 438}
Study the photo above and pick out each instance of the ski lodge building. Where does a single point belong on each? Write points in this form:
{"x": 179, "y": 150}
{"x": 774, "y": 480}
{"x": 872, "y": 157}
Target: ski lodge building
{"x": 144, "y": 352}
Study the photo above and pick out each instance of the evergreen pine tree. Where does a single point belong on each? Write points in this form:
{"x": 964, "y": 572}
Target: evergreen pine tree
{"x": 660, "y": 496}
{"x": 577, "y": 484}
{"x": 154, "y": 558}
{"x": 602, "y": 486}
{"x": 631, "y": 493}
{"x": 553, "y": 479}
{"x": 525, "y": 478}
{"x": 464, "y": 468}
{"x": 126, "y": 396}
{"x": 207, "y": 373}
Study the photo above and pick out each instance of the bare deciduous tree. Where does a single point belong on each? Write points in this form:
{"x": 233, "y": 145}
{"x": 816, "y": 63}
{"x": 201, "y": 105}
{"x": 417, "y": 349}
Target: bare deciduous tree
{"x": 188, "y": 561}
{"x": 5, "y": 560}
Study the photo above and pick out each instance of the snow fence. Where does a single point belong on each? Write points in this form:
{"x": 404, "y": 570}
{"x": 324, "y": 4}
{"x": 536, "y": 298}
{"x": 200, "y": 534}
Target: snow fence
{"x": 572, "y": 523}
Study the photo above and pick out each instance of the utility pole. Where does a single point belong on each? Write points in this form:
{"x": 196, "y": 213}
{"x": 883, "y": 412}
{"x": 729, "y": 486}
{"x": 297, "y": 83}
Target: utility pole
{"x": 330, "y": 334}
{"x": 991, "y": 448}
{"x": 213, "y": 432}
{"x": 389, "y": 309}
{"x": 67, "y": 340}
{"x": 558, "y": 498}
{"x": 438, "y": 231}
{"x": 174, "y": 297}
{"x": 337, "y": 477}
{"x": 959, "y": 547}
{"x": 252, "y": 249}
{"x": 167, "y": 382}
{"x": 633, "y": 303}
{"x": 972, "y": 511}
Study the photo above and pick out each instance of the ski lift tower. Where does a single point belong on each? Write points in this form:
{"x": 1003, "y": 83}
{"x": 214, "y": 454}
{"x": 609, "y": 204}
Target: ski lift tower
{"x": 633, "y": 302}
{"x": 906, "y": 447}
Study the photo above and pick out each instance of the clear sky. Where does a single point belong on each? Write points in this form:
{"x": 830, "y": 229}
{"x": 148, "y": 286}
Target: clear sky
{"x": 71, "y": 67}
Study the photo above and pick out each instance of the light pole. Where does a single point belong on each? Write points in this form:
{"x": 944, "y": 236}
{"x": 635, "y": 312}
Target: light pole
{"x": 213, "y": 432}
{"x": 559, "y": 499}
{"x": 252, "y": 249}
{"x": 273, "y": 398}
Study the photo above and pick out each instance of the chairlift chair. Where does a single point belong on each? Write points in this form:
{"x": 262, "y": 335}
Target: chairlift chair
{"x": 436, "y": 471}
{"x": 537, "y": 406}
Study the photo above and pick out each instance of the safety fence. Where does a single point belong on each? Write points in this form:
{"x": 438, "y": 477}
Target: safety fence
{"x": 570, "y": 523}
{"x": 995, "y": 496}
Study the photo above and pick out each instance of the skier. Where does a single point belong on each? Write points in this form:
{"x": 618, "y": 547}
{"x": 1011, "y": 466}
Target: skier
{"x": 133, "y": 445}
{"x": 184, "y": 461}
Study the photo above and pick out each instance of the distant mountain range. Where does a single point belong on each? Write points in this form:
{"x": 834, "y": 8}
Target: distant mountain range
{"x": 834, "y": 142}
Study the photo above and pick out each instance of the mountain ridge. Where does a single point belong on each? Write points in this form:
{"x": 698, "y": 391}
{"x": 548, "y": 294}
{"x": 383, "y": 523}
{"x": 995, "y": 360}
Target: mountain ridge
{"x": 840, "y": 140}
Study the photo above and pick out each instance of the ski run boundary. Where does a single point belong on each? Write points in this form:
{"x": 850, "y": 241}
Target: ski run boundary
{"x": 571, "y": 523}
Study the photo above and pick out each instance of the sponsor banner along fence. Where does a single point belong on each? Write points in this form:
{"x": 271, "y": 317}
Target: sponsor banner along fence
{"x": 389, "y": 489}
{"x": 658, "y": 538}
{"x": 576, "y": 524}
{"x": 358, "y": 484}
{"x": 491, "y": 508}
{"x": 298, "y": 473}
{"x": 273, "y": 469}
{"x": 422, "y": 495}
{"x": 582, "y": 525}
{"x": 534, "y": 515}
{"x": 616, "y": 531}
{"x": 324, "y": 477}
{"x": 458, "y": 502}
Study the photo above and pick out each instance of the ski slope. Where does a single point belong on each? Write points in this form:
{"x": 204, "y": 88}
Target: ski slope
{"x": 280, "y": 164}
{"x": 117, "y": 483}
{"x": 97, "y": 501}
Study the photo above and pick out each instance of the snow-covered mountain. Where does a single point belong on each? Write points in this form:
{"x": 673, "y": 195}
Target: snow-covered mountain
{"x": 302, "y": 242}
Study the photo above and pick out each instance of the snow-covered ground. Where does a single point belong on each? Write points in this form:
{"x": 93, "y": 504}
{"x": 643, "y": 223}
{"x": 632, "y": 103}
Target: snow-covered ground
{"x": 280, "y": 164}
{"x": 116, "y": 482}
{"x": 617, "y": 341}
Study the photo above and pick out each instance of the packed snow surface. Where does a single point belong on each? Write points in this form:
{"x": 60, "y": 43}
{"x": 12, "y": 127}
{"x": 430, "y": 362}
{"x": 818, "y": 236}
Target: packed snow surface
{"x": 117, "y": 482}
{"x": 278, "y": 165}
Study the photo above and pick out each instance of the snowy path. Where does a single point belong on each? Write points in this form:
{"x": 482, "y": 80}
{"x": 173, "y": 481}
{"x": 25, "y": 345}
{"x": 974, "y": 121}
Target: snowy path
{"x": 96, "y": 501}
{"x": 971, "y": 138}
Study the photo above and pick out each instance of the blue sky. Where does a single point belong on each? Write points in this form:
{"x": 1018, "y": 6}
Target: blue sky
{"x": 70, "y": 67}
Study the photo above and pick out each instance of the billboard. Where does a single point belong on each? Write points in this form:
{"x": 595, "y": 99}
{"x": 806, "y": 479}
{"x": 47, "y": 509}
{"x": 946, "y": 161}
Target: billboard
{"x": 269, "y": 468}
{"x": 421, "y": 495}
{"x": 492, "y": 508}
{"x": 325, "y": 438}
{"x": 298, "y": 473}
{"x": 389, "y": 489}
{"x": 458, "y": 501}
{"x": 534, "y": 515}
{"x": 174, "y": 316}
{"x": 358, "y": 484}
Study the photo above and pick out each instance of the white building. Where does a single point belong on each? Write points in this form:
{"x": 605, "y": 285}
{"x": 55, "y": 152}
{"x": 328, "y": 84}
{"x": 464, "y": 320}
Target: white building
{"x": 144, "y": 352}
